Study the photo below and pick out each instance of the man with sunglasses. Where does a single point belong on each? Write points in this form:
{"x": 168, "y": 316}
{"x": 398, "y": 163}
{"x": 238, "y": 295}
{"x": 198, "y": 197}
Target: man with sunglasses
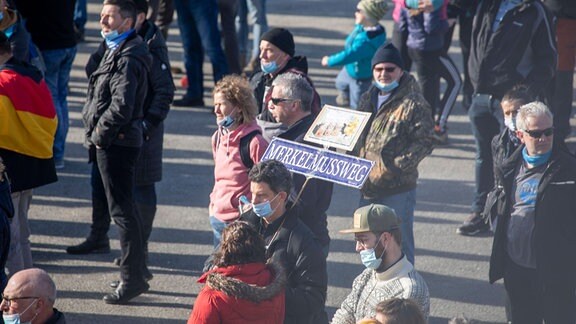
{"x": 290, "y": 105}
{"x": 398, "y": 136}
{"x": 534, "y": 246}
{"x": 29, "y": 298}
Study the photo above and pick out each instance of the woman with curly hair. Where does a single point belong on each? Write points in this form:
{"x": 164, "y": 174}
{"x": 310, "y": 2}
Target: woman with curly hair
{"x": 236, "y": 144}
{"x": 242, "y": 288}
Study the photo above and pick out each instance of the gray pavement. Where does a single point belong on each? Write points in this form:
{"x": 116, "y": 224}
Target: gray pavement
{"x": 455, "y": 267}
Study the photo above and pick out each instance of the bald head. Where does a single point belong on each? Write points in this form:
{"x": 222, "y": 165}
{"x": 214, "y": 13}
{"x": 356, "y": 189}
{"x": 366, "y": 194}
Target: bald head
{"x": 33, "y": 294}
{"x": 34, "y": 282}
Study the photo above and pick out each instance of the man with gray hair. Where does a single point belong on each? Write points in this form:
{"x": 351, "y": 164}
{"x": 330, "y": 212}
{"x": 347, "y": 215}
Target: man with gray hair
{"x": 535, "y": 240}
{"x": 29, "y": 297}
{"x": 290, "y": 104}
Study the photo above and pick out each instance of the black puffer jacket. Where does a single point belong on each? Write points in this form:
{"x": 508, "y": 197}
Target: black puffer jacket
{"x": 117, "y": 90}
{"x": 522, "y": 50}
{"x": 295, "y": 248}
{"x": 555, "y": 225}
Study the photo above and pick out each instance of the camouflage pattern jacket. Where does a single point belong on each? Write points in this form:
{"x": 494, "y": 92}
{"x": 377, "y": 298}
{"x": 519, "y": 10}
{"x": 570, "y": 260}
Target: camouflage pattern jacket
{"x": 397, "y": 137}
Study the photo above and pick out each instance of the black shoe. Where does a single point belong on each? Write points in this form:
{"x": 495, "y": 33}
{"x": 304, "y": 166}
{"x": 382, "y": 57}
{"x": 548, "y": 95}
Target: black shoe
{"x": 90, "y": 246}
{"x": 147, "y": 276}
{"x": 188, "y": 102}
{"x": 123, "y": 294}
{"x": 474, "y": 225}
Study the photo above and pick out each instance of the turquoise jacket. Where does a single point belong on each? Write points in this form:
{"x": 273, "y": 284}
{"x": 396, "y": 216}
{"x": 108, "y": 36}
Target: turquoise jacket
{"x": 358, "y": 51}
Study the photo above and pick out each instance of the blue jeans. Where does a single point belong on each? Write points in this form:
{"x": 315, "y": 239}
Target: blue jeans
{"x": 403, "y": 204}
{"x": 80, "y": 15}
{"x": 351, "y": 88}
{"x": 257, "y": 11}
{"x": 58, "y": 65}
{"x": 198, "y": 23}
{"x": 486, "y": 119}
{"x": 217, "y": 227}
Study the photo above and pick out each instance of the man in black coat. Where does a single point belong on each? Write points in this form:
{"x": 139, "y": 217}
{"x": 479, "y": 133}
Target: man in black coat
{"x": 113, "y": 121}
{"x": 534, "y": 246}
{"x": 149, "y": 163}
{"x": 289, "y": 242}
{"x": 290, "y": 104}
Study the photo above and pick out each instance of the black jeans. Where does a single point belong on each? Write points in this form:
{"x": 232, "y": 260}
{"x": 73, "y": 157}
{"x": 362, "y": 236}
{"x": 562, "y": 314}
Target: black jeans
{"x": 427, "y": 65}
{"x": 117, "y": 169}
{"x": 531, "y": 301}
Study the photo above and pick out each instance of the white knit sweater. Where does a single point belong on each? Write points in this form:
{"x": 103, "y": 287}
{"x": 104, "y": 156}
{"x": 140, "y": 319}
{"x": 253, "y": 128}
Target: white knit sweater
{"x": 370, "y": 287}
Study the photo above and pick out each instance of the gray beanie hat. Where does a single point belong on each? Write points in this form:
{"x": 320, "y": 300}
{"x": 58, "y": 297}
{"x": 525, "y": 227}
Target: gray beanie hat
{"x": 374, "y": 9}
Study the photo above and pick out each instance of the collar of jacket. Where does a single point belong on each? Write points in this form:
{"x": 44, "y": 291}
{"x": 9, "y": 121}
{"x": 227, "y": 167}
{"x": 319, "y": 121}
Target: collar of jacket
{"x": 236, "y": 288}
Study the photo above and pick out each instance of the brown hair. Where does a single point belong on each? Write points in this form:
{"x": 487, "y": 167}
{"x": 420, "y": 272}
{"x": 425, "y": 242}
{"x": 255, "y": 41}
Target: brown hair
{"x": 240, "y": 244}
{"x": 237, "y": 90}
{"x": 401, "y": 311}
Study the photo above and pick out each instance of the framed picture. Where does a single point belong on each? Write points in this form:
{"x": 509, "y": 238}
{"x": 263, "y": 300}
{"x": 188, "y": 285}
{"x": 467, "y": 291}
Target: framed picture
{"x": 337, "y": 127}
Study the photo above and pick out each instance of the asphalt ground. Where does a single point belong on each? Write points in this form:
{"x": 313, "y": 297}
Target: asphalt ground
{"x": 455, "y": 267}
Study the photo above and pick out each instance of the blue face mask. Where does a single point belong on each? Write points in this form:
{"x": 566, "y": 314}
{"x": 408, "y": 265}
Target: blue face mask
{"x": 113, "y": 38}
{"x": 226, "y": 122}
{"x": 269, "y": 67}
{"x": 536, "y": 160}
{"x": 15, "y": 318}
{"x": 386, "y": 87}
{"x": 369, "y": 259}
{"x": 264, "y": 210}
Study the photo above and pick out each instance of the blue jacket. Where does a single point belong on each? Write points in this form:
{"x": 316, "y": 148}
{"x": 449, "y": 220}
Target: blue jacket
{"x": 358, "y": 51}
{"x": 425, "y": 30}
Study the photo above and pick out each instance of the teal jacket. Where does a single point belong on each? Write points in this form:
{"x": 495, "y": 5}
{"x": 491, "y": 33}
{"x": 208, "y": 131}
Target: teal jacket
{"x": 358, "y": 51}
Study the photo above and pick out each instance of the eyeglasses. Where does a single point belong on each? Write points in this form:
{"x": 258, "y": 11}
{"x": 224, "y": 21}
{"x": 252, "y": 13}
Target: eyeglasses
{"x": 8, "y": 301}
{"x": 276, "y": 101}
{"x": 358, "y": 10}
{"x": 388, "y": 69}
{"x": 538, "y": 133}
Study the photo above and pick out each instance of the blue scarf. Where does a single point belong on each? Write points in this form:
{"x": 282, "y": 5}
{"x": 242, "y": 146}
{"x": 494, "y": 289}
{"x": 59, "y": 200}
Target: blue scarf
{"x": 536, "y": 160}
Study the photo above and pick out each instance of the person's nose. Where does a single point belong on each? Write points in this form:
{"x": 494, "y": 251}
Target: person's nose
{"x": 4, "y": 306}
{"x": 359, "y": 246}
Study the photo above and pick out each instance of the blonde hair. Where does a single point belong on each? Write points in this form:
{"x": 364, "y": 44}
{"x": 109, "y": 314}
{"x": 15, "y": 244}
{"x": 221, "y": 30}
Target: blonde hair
{"x": 237, "y": 90}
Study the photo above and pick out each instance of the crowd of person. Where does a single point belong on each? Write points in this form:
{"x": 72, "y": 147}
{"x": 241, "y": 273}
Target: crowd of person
{"x": 270, "y": 226}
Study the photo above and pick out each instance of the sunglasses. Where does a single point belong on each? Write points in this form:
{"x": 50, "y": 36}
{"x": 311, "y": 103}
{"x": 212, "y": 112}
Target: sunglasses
{"x": 358, "y": 10}
{"x": 276, "y": 101}
{"x": 388, "y": 69}
{"x": 539, "y": 133}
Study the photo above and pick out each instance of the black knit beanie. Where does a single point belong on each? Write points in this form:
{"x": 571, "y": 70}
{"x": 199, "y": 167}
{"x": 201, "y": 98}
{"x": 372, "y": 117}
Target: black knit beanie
{"x": 281, "y": 38}
{"x": 389, "y": 54}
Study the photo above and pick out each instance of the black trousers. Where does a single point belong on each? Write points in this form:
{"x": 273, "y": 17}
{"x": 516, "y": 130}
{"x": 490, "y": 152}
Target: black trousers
{"x": 532, "y": 302}
{"x": 427, "y": 65}
{"x": 116, "y": 165}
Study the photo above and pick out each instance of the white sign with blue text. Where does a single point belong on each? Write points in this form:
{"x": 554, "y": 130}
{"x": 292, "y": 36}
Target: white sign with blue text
{"x": 319, "y": 163}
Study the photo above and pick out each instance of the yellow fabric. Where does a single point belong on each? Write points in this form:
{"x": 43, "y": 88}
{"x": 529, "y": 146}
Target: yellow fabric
{"x": 24, "y": 132}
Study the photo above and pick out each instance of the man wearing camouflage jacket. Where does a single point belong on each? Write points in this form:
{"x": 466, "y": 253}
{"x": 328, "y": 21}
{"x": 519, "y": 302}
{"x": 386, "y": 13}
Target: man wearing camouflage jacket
{"x": 397, "y": 137}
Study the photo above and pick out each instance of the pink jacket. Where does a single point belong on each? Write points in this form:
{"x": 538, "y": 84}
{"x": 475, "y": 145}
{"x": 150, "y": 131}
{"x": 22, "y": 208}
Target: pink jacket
{"x": 230, "y": 174}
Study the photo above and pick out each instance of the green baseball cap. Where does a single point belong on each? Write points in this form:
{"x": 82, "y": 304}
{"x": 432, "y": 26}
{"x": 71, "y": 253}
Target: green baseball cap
{"x": 374, "y": 218}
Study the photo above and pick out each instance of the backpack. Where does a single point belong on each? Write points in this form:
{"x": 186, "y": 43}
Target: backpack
{"x": 245, "y": 149}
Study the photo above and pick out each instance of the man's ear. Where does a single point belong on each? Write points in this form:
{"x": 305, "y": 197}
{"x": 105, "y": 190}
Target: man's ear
{"x": 520, "y": 135}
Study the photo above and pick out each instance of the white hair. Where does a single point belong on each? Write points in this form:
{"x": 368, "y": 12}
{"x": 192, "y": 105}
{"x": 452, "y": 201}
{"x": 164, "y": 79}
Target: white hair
{"x": 533, "y": 109}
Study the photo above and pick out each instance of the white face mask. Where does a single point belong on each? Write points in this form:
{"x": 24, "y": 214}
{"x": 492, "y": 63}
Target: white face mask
{"x": 15, "y": 318}
{"x": 510, "y": 123}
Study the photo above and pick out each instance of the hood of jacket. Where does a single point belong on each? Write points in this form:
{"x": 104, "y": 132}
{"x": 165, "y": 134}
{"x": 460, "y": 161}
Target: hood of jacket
{"x": 226, "y": 137}
{"x": 247, "y": 281}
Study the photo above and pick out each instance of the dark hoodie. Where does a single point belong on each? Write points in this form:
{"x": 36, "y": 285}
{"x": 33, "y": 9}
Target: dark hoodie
{"x": 261, "y": 81}
{"x": 244, "y": 293}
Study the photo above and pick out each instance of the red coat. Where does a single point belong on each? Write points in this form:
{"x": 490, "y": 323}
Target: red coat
{"x": 249, "y": 293}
